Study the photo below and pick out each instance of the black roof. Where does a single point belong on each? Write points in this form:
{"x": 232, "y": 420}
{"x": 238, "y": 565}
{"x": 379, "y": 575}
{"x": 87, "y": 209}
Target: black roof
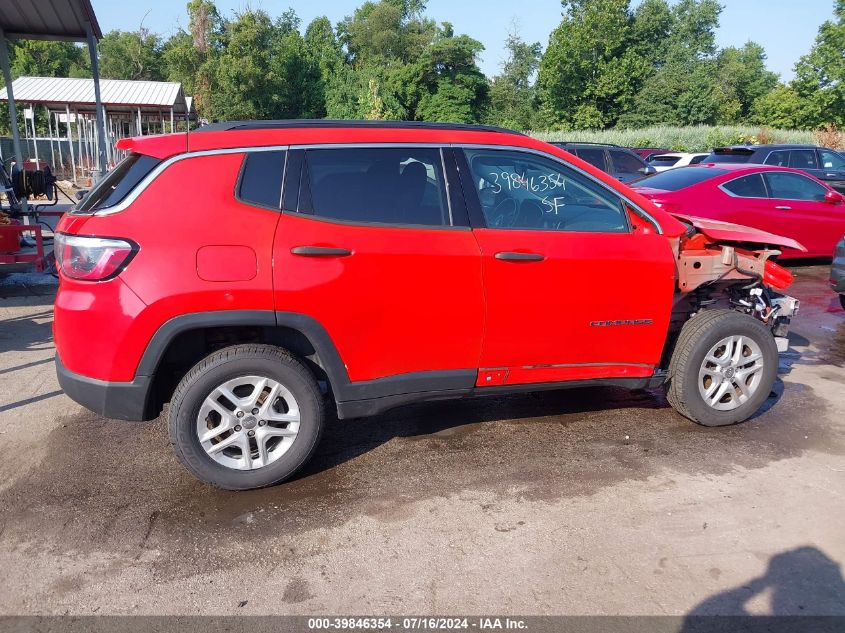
{"x": 772, "y": 146}
{"x": 584, "y": 144}
{"x": 340, "y": 123}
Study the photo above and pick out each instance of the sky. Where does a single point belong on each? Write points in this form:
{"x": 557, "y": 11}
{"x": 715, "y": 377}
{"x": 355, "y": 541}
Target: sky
{"x": 785, "y": 28}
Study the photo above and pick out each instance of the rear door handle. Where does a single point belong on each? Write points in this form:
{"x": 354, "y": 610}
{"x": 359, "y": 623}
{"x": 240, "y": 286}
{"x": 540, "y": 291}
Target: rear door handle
{"x": 519, "y": 257}
{"x": 320, "y": 251}
{"x": 783, "y": 207}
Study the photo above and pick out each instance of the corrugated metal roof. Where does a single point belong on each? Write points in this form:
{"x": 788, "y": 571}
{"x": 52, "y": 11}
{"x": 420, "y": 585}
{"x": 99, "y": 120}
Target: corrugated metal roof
{"x": 48, "y": 19}
{"x": 115, "y": 93}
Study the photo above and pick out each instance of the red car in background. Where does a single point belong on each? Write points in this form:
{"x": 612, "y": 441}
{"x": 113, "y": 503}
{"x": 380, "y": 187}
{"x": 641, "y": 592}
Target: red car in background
{"x": 783, "y": 201}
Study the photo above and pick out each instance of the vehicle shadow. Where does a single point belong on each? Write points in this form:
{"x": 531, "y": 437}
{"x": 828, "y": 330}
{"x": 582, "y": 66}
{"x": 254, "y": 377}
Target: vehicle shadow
{"x": 803, "y": 581}
{"x": 344, "y": 440}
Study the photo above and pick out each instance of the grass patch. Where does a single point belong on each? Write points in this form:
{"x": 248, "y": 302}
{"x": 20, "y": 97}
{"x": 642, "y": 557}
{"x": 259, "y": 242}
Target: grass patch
{"x": 699, "y": 138}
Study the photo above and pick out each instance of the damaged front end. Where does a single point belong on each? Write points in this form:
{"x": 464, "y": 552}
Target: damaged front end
{"x": 721, "y": 265}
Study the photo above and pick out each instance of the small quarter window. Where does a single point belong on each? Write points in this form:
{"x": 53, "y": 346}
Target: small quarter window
{"x": 261, "y": 179}
{"x": 751, "y": 186}
{"x": 121, "y": 180}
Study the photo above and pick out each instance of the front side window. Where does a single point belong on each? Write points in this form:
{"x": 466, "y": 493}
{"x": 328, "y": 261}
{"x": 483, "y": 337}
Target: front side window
{"x": 788, "y": 186}
{"x": 625, "y": 163}
{"x": 747, "y": 187}
{"x": 803, "y": 159}
{"x": 261, "y": 179}
{"x": 832, "y": 160}
{"x": 518, "y": 190}
{"x": 377, "y": 185}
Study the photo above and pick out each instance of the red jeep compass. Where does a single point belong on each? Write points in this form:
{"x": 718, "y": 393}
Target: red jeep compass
{"x": 251, "y": 273}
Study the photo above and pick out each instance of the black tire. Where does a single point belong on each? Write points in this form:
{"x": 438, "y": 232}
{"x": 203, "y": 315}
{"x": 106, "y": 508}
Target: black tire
{"x": 230, "y": 363}
{"x": 697, "y": 337}
{"x": 842, "y": 301}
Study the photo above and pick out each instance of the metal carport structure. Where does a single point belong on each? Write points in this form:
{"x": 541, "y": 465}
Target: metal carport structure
{"x": 129, "y": 107}
{"x": 68, "y": 20}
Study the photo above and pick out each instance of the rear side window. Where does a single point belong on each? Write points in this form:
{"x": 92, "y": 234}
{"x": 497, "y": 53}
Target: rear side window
{"x": 403, "y": 186}
{"x": 803, "y": 159}
{"x": 751, "y": 186}
{"x": 695, "y": 160}
{"x": 593, "y": 156}
{"x": 261, "y": 179}
{"x": 680, "y": 178}
{"x": 778, "y": 159}
{"x": 625, "y": 163}
{"x": 117, "y": 184}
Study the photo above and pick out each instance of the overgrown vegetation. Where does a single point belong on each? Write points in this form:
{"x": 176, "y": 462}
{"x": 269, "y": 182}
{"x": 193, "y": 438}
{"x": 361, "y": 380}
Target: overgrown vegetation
{"x": 696, "y": 138}
{"x": 607, "y": 64}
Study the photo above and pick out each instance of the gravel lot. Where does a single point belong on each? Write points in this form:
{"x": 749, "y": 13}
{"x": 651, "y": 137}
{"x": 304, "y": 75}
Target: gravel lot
{"x": 591, "y": 501}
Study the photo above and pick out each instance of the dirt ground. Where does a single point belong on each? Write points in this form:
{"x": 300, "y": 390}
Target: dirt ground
{"x": 592, "y": 501}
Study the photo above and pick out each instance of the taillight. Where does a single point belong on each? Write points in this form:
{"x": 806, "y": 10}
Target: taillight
{"x": 92, "y": 258}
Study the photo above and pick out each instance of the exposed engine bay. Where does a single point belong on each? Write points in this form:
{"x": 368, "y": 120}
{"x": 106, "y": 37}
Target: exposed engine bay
{"x": 720, "y": 265}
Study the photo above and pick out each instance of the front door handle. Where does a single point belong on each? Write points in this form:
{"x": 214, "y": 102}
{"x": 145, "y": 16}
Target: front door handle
{"x": 783, "y": 207}
{"x": 320, "y": 251}
{"x": 519, "y": 257}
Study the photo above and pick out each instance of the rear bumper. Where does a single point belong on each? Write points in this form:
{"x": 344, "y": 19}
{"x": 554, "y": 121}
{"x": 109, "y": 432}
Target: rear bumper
{"x": 837, "y": 270}
{"x": 117, "y": 400}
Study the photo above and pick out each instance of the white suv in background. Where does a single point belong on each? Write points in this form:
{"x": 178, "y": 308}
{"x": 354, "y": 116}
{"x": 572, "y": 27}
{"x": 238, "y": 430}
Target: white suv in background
{"x": 662, "y": 162}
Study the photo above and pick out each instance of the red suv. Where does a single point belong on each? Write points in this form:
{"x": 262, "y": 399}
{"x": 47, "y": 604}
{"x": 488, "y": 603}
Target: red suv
{"x": 251, "y": 273}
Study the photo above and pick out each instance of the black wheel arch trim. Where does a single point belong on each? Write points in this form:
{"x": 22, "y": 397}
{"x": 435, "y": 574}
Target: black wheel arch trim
{"x": 329, "y": 358}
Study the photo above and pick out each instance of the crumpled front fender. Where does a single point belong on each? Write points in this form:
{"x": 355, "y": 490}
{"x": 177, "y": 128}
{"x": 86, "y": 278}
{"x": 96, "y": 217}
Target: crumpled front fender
{"x": 728, "y": 232}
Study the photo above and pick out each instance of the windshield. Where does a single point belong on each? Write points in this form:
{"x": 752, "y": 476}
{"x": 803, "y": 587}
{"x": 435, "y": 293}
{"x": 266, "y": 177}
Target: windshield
{"x": 680, "y": 178}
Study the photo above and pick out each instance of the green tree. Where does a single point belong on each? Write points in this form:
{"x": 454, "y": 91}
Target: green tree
{"x": 131, "y": 55}
{"x": 39, "y": 58}
{"x": 324, "y": 50}
{"x": 446, "y": 83}
{"x": 820, "y": 75}
{"x": 782, "y": 107}
{"x": 512, "y": 93}
{"x": 589, "y": 73}
{"x": 682, "y": 88}
{"x": 262, "y": 71}
{"x": 741, "y": 79}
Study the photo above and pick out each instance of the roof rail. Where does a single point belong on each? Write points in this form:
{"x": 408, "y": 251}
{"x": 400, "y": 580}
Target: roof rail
{"x": 584, "y": 143}
{"x": 339, "y": 123}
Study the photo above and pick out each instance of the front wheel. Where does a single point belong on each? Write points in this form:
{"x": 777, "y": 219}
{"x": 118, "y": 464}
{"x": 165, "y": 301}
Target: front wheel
{"x": 246, "y": 416}
{"x": 723, "y": 368}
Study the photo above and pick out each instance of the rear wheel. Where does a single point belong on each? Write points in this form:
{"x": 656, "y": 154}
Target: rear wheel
{"x": 842, "y": 301}
{"x": 247, "y": 416}
{"x": 723, "y": 368}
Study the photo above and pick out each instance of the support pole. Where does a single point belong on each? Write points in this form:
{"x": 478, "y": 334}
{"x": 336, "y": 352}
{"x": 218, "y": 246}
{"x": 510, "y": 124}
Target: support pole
{"x": 172, "y": 129}
{"x": 101, "y": 125}
{"x": 50, "y": 133}
{"x": 57, "y": 123}
{"x": 13, "y": 112}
